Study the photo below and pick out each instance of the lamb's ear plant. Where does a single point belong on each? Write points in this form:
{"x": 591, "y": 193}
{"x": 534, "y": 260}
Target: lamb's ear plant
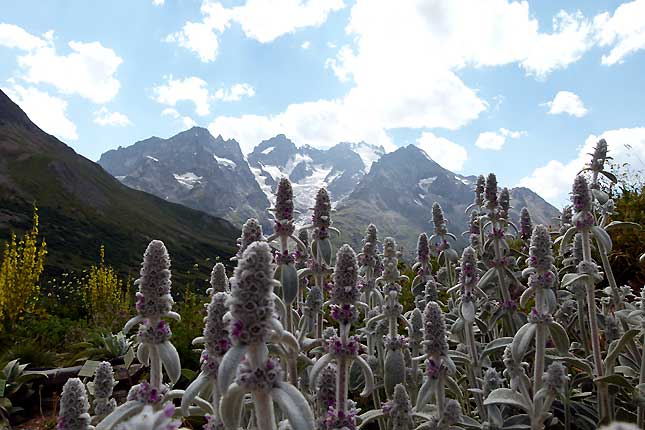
{"x": 252, "y": 325}
{"x": 154, "y": 302}
{"x": 446, "y": 254}
{"x": 438, "y": 364}
{"x": 343, "y": 349}
{"x": 584, "y": 223}
{"x": 468, "y": 293}
{"x": 422, "y": 265}
{"x": 495, "y": 223}
{"x": 251, "y": 232}
{"x": 203, "y": 391}
{"x": 399, "y": 412}
{"x": 74, "y": 407}
{"x": 370, "y": 267}
{"x": 101, "y": 390}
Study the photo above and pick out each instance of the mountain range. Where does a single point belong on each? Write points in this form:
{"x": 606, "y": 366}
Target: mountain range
{"x": 393, "y": 190}
{"x": 81, "y": 206}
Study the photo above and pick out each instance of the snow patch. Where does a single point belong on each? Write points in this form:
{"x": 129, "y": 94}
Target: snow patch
{"x": 462, "y": 180}
{"x": 120, "y": 178}
{"x": 225, "y": 162}
{"x": 152, "y": 158}
{"x": 268, "y": 150}
{"x": 262, "y": 182}
{"x": 425, "y": 183}
{"x": 188, "y": 179}
{"x": 367, "y": 154}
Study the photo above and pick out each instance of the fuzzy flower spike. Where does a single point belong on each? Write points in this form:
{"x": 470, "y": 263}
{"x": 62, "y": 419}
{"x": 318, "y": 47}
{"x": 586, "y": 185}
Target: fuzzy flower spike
{"x": 154, "y": 303}
{"x": 343, "y": 349}
{"x": 74, "y": 407}
{"x": 216, "y": 342}
{"x": 252, "y": 324}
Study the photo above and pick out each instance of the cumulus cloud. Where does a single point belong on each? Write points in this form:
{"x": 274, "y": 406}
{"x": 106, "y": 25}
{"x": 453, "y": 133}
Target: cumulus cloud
{"x": 158, "y": 2}
{"x": 260, "y": 20}
{"x": 235, "y": 93}
{"x": 305, "y": 45}
{"x": 104, "y": 117}
{"x": 496, "y": 140}
{"x": 553, "y": 180}
{"x": 46, "y": 111}
{"x": 185, "y": 121}
{"x": 88, "y": 70}
{"x": 624, "y": 31}
{"x": 445, "y": 152}
{"x": 567, "y": 102}
{"x": 192, "y": 89}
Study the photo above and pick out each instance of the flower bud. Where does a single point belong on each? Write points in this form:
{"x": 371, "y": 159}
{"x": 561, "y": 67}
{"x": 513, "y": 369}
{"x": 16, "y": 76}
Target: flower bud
{"x": 153, "y": 298}
{"x": 74, "y": 407}
{"x": 251, "y": 302}
{"x": 490, "y": 191}
{"x": 219, "y": 280}
{"x": 581, "y": 196}
{"x": 148, "y": 419}
{"x": 435, "y": 340}
{"x": 555, "y": 377}
{"x": 423, "y": 249}
{"x": 321, "y": 219}
{"x": 216, "y": 337}
{"x": 101, "y": 388}
{"x": 526, "y": 226}
{"x": 345, "y": 290}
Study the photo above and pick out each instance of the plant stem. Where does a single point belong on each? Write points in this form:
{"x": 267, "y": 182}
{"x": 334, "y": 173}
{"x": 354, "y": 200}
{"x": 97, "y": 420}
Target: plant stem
{"x": 595, "y": 334}
{"x": 641, "y": 380}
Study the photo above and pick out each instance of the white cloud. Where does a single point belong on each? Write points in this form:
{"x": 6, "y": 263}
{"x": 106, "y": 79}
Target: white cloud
{"x": 235, "y": 93}
{"x": 567, "y": 102}
{"x": 186, "y": 121}
{"x": 496, "y": 140}
{"x": 12, "y": 36}
{"x": 331, "y": 45}
{"x": 158, "y": 2}
{"x": 261, "y": 20}
{"x": 46, "y": 111}
{"x": 104, "y": 117}
{"x": 625, "y": 31}
{"x": 572, "y": 36}
{"x": 266, "y": 21}
{"x": 445, "y": 152}
{"x": 88, "y": 70}
{"x": 553, "y": 180}
{"x": 322, "y": 123}
{"x": 191, "y": 89}
{"x": 305, "y": 45}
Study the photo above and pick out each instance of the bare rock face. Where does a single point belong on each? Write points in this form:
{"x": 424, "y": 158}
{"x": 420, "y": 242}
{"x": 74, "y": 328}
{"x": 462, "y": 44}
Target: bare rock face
{"x": 192, "y": 168}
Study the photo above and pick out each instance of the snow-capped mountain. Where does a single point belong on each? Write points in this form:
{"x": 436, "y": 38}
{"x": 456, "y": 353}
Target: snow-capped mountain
{"x": 395, "y": 190}
{"x": 400, "y": 189}
{"x": 339, "y": 168}
{"x": 192, "y": 168}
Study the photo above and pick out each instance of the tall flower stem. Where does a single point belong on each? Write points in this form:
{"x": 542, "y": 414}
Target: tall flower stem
{"x": 603, "y": 396}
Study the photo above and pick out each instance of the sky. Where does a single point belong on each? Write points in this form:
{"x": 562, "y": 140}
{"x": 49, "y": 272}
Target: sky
{"x": 523, "y": 89}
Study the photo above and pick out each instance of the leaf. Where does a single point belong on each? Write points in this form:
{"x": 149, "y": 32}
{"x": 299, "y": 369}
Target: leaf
{"x": 193, "y": 391}
{"x": 369, "y": 416}
{"x": 614, "y": 351}
{"x": 486, "y": 277}
{"x": 570, "y": 278}
{"x": 574, "y": 362}
{"x": 559, "y": 336}
{"x": 230, "y": 406}
{"x": 122, "y": 413}
{"x": 602, "y": 237}
{"x": 506, "y": 396}
{"x": 468, "y": 311}
{"x": 228, "y": 366}
{"x": 294, "y": 405}
{"x": 522, "y": 340}
{"x": 495, "y": 345}
{"x": 289, "y": 281}
{"x": 170, "y": 360}
{"x": 319, "y": 365}
{"x": 609, "y": 176}
{"x": 566, "y": 240}
{"x": 324, "y": 246}
{"x": 615, "y": 379}
{"x": 622, "y": 224}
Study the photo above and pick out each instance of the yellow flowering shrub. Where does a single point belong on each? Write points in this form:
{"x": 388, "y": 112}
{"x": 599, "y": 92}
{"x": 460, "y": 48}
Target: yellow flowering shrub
{"x": 105, "y": 296}
{"x": 22, "y": 265}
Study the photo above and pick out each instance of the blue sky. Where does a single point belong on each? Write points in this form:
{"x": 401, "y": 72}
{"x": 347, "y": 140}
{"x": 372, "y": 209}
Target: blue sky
{"x": 520, "y": 88}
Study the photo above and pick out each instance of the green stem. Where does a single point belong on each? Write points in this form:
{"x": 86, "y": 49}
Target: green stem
{"x": 475, "y": 368}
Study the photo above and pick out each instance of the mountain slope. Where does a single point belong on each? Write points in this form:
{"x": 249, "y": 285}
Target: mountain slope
{"x": 398, "y": 193}
{"x": 81, "y": 206}
{"x": 192, "y": 168}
